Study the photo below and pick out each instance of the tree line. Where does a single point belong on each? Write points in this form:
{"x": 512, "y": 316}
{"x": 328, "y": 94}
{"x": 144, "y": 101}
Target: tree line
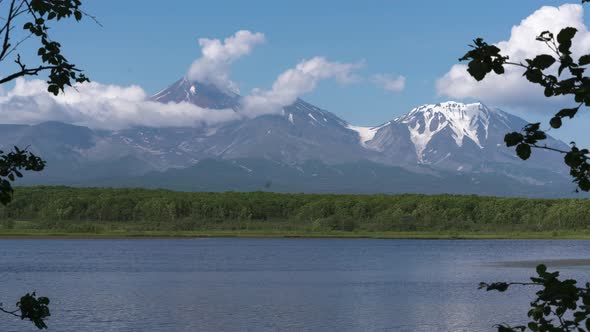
{"x": 104, "y": 209}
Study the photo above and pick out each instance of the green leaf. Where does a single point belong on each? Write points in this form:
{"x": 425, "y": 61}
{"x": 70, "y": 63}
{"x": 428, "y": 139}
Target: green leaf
{"x": 478, "y": 69}
{"x": 498, "y": 68}
{"x": 579, "y": 316}
{"x": 497, "y": 286}
{"x": 543, "y": 61}
{"x": 523, "y": 151}
{"x": 566, "y": 35}
{"x": 555, "y": 122}
{"x": 549, "y": 92}
{"x": 533, "y": 326}
{"x": 584, "y": 60}
{"x": 572, "y": 159}
{"x": 577, "y": 71}
{"x": 53, "y": 89}
{"x": 565, "y": 48}
{"x": 584, "y": 184}
{"x": 513, "y": 139}
{"x": 534, "y": 75}
{"x": 569, "y": 112}
{"x": 532, "y": 126}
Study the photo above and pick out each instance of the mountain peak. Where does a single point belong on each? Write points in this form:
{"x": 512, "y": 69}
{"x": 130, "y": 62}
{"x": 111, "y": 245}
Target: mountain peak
{"x": 198, "y": 93}
{"x": 461, "y": 121}
{"x": 452, "y": 109}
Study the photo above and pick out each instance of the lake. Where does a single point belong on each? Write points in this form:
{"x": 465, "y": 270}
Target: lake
{"x": 276, "y": 284}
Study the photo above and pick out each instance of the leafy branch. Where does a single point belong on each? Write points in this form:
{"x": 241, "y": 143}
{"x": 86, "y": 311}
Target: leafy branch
{"x": 11, "y": 166}
{"x": 484, "y": 58}
{"x": 37, "y": 15}
{"x": 30, "y": 307}
{"x": 560, "y": 305}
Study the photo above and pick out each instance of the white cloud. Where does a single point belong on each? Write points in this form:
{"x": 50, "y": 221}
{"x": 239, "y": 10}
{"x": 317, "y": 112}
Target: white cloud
{"x": 511, "y": 90}
{"x": 215, "y": 63}
{"x": 115, "y": 107}
{"x": 100, "y": 106}
{"x": 296, "y": 82}
{"x": 389, "y": 83}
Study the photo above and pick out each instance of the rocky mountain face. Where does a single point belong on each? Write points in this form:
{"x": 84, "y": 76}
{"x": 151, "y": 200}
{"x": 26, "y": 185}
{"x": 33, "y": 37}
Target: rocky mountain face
{"x": 458, "y": 137}
{"x": 455, "y": 147}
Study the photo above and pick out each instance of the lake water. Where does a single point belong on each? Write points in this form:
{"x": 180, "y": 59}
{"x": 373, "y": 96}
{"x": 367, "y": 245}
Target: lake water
{"x": 274, "y": 284}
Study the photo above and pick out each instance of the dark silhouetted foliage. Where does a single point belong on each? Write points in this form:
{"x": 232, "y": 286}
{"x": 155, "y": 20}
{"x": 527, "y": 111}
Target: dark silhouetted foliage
{"x": 560, "y": 305}
{"x": 569, "y": 81}
{"x": 31, "y": 307}
{"x": 22, "y": 20}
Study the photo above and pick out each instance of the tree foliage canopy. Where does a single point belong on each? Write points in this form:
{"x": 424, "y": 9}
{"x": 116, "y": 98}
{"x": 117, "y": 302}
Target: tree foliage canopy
{"x": 104, "y": 210}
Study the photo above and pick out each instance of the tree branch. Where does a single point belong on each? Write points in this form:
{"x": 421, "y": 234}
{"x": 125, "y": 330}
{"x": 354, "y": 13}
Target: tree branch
{"x": 14, "y": 313}
{"x": 30, "y": 72}
{"x": 18, "y": 44}
{"x": 6, "y": 44}
{"x": 92, "y": 17}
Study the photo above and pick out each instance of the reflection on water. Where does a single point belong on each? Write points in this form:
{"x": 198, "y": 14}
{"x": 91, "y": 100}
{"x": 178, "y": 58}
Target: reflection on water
{"x": 282, "y": 284}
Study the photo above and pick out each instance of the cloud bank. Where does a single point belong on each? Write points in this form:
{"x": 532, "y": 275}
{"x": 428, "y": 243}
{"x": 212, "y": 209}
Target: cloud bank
{"x": 101, "y": 106}
{"x": 116, "y": 107}
{"x": 217, "y": 57}
{"x": 511, "y": 90}
{"x": 295, "y": 82}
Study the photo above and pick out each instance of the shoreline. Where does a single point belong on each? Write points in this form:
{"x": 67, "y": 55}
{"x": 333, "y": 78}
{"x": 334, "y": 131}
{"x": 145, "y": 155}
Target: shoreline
{"x": 49, "y": 235}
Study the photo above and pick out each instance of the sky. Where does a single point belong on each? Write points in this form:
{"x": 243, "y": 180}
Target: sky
{"x": 368, "y": 62}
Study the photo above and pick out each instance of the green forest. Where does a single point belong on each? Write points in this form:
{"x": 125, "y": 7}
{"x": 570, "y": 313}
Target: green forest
{"x": 64, "y": 210}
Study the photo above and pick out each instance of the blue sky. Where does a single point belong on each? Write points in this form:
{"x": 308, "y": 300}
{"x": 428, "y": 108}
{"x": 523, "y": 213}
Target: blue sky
{"x": 152, "y": 45}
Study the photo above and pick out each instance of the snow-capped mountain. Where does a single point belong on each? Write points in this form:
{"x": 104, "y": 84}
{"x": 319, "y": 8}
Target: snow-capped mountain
{"x": 459, "y": 147}
{"x": 298, "y": 133}
{"x": 200, "y": 94}
{"x": 455, "y": 136}
{"x": 465, "y": 124}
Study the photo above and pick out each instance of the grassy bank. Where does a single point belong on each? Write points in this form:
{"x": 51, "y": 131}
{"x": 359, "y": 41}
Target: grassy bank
{"x": 47, "y": 234}
{"x": 103, "y": 212}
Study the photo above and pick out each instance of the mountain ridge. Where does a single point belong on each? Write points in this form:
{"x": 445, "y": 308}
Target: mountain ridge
{"x": 449, "y": 140}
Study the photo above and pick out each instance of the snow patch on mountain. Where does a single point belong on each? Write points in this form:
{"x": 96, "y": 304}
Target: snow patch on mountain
{"x": 463, "y": 120}
{"x": 365, "y": 133}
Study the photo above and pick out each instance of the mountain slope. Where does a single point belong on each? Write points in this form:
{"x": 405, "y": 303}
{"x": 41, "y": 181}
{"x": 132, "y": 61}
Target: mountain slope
{"x": 362, "y": 177}
{"x": 459, "y": 137}
{"x": 302, "y": 132}
{"x": 447, "y": 147}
